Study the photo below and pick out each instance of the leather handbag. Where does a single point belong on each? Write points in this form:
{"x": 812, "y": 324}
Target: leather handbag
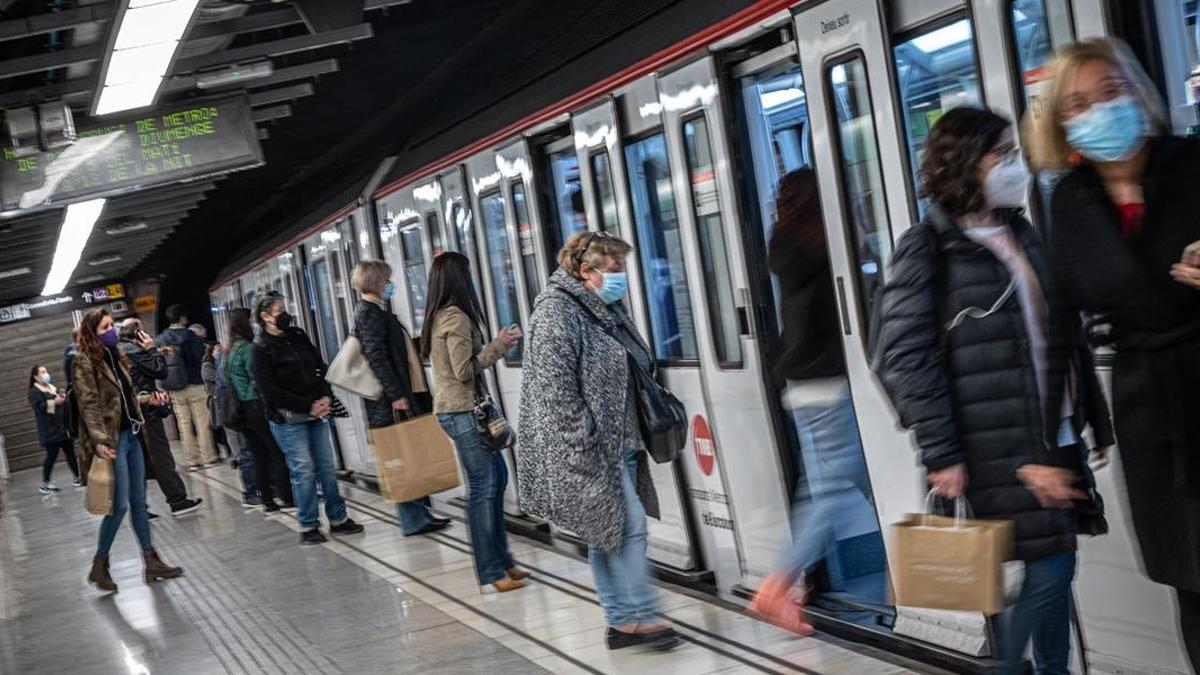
{"x": 495, "y": 433}
{"x": 661, "y": 416}
{"x": 350, "y": 371}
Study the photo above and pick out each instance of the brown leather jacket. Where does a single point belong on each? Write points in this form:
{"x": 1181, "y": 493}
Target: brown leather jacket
{"x": 99, "y": 397}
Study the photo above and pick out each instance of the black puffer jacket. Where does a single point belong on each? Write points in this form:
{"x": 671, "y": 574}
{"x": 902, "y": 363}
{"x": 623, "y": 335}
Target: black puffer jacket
{"x": 288, "y": 371}
{"x": 385, "y": 346}
{"x": 970, "y": 394}
{"x": 149, "y": 365}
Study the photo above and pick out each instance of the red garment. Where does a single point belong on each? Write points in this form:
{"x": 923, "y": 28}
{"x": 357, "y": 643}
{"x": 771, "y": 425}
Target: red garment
{"x": 1132, "y": 215}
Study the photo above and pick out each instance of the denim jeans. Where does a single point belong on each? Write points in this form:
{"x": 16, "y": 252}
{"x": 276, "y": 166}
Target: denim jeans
{"x": 413, "y": 515}
{"x": 309, "y": 453}
{"x": 487, "y": 477}
{"x": 623, "y": 577}
{"x": 1042, "y": 612}
{"x": 246, "y": 470}
{"x": 129, "y": 494}
{"x": 831, "y": 434}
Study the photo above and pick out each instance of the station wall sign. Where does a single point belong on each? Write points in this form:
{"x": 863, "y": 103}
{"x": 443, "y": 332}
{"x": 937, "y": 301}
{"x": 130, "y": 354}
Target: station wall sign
{"x": 179, "y": 143}
{"x": 144, "y": 304}
{"x": 82, "y": 297}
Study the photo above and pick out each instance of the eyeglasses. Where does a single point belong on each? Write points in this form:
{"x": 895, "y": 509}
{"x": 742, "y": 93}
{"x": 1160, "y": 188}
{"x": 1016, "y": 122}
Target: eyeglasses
{"x": 591, "y": 239}
{"x": 1078, "y": 103}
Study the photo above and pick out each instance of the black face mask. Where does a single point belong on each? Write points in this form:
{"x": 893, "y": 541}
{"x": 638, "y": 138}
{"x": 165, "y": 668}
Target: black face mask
{"x": 283, "y": 321}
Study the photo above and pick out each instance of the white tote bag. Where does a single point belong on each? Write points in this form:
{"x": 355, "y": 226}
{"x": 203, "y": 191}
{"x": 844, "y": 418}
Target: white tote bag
{"x": 350, "y": 371}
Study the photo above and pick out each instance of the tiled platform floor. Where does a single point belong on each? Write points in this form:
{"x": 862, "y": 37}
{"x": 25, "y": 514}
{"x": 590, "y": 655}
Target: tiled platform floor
{"x": 255, "y": 601}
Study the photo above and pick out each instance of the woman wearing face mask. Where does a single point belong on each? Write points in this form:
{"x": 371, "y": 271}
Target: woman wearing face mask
{"x": 49, "y": 405}
{"x": 1124, "y": 243}
{"x": 985, "y": 363}
{"x": 452, "y": 341}
{"x": 110, "y": 419}
{"x": 388, "y": 349}
{"x": 582, "y": 460}
{"x": 290, "y": 375}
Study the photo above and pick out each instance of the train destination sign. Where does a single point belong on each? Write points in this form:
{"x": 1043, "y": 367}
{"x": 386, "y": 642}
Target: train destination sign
{"x": 179, "y": 143}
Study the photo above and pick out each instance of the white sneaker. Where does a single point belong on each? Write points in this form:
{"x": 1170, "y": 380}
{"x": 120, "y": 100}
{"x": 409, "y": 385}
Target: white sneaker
{"x": 78, "y": 482}
{"x": 48, "y": 488}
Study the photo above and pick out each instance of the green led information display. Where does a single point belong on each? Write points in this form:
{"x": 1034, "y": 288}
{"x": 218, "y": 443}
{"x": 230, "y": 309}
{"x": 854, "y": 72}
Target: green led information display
{"x": 177, "y": 144}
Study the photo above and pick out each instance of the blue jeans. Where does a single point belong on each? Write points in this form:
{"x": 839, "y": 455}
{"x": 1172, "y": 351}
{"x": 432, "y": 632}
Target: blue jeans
{"x": 1043, "y": 613}
{"x": 623, "y": 577}
{"x": 413, "y": 515}
{"x": 831, "y": 433}
{"x": 129, "y": 494}
{"x": 246, "y": 470}
{"x": 487, "y": 477}
{"x": 309, "y": 455}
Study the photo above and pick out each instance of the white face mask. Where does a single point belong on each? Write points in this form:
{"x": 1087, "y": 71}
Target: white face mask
{"x": 1007, "y": 184}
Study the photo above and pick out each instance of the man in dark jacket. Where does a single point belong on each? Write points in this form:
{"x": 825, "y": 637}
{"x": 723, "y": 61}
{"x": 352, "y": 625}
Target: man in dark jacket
{"x": 150, "y": 365}
{"x": 185, "y": 382}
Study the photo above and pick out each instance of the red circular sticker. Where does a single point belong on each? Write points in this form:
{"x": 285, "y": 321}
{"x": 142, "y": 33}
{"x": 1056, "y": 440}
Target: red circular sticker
{"x": 703, "y": 444}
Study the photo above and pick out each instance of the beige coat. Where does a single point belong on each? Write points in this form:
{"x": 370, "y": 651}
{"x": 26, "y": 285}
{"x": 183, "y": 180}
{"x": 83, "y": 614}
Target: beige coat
{"x": 458, "y": 356}
{"x": 99, "y": 398}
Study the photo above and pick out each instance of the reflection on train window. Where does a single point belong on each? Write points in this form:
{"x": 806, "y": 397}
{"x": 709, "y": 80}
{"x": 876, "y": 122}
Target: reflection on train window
{"x": 568, "y": 193}
{"x": 863, "y": 205}
{"x": 605, "y": 193}
{"x": 722, "y": 310}
{"x": 435, "y": 233}
{"x": 661, "y": 250}
{"x": 1191, "y": 26}
{"x": 415, "y": 275}
{"x": 533, "y": 276}
{"x": 500, "y": 266}
{"x": 1039, "y": 27}
{"x": 321, "y": 285}
{"x": 937, "y": 71}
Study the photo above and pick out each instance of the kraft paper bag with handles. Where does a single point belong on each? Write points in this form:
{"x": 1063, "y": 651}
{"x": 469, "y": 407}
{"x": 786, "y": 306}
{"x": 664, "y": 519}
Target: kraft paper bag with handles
{"x": 950, "y": 563}
{"x": 415, "y": 459}
{"x": 98, "y": 497}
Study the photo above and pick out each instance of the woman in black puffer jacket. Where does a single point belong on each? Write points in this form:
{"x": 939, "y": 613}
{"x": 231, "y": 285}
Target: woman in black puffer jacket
{"x": 986, "y": 364}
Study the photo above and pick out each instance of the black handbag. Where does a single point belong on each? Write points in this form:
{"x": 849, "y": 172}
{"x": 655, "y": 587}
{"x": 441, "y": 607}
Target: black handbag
{"x": 495, "y": 433}
{"x": 661, "y": 416}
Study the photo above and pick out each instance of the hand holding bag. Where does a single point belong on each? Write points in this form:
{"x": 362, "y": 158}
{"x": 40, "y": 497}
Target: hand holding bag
{"x": 351, "y": 372}
{"x": 98, "y": 499}
{"x": 495, "y": 433}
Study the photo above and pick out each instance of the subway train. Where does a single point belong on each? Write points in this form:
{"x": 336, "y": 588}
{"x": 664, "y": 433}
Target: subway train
{"x": 680, "y": 155}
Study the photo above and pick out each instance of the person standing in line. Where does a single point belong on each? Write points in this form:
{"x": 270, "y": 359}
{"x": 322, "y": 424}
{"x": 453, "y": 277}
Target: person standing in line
{"x": 1125, "y": 242}
{"x": 583, "y": 460}
{"x": 110, "y": 418}
{"x": 148, "y": 365}
{"x": 210, "y": 370}
{"x": 290, "y": 375}
{"x": 388, "y": 349}
{"x": 185, "y": 382}
{"x": 261, "y": 454}
{"x": 49, "y": 405}
{"x": 452, "y": 341}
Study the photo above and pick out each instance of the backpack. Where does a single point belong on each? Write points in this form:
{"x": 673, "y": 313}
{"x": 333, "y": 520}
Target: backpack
{"x": 177, "y": 375}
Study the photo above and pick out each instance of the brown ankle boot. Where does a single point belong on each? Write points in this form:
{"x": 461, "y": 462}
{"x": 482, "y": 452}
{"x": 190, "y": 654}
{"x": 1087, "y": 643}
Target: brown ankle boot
{"x": 157, "y": 569}
{"x": 99, "y": 574}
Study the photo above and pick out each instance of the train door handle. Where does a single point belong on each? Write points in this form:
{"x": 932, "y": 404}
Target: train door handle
{"x": 843, "y": 307}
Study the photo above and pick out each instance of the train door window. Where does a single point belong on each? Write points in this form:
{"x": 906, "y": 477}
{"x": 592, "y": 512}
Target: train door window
{"x": 605, "y": 192}
{"x": 1039, "y": 27}
{"x": 567, "y": 192}
{"x": 661, "y": 250}
{"x": 322, "y": 285}
{"x": 500, "y": 266}
{"x": 414, "y": 270}
{"x": 863, "y": 206}
{"x": 937, "y": 71}
{"x": 723, "y": 311}
{"x": 435, "y": 233}
{"x": 533, "y": 276}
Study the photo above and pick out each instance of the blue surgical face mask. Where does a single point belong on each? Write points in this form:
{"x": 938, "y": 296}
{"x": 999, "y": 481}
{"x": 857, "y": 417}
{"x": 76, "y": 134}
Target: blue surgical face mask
{"x": 614, "y": 287}
{"x": 389, "y": 290}
{"x": 46, "y": 378}
{"x": 1109, "y": 132}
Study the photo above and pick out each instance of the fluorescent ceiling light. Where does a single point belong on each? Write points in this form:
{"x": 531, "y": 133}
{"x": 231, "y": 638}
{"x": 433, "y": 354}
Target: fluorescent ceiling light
{"x": 148, "y": 62}
{"x": 15, "y": 272}
{"x": 89, "y": 279}
{"x": 76, "y": 229}
{"x": 127, "y": 96}
{"x": 104, "y": 260}
{"x": 955, "y": 33}
{"x": 126, "y": 228}
{"x": 147, "y": 25}
{"x": 142, "y": 53}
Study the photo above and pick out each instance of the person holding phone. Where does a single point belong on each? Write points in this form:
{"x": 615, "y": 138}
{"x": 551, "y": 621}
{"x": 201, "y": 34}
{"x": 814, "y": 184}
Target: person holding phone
{"x": 290, "y": 374}
{"x": 49, "y": 407}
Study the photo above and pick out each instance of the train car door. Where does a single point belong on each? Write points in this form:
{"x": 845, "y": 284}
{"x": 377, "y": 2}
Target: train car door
{"x": 735, "y": 411}
{"x": 601, "y": 166}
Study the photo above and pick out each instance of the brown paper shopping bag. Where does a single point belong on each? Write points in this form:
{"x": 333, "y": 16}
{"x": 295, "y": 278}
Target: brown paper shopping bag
{"x": 415, "y": 459}
{"x": 950, "y": 563}
{"x": 98, "y": 498}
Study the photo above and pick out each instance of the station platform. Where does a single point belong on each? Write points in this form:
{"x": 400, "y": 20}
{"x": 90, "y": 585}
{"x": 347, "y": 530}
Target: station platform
{"x": 254, "y": 600}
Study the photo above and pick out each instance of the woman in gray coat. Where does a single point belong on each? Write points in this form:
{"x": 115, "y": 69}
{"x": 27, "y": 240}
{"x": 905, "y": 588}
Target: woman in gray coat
{"x": 582, "y": 460}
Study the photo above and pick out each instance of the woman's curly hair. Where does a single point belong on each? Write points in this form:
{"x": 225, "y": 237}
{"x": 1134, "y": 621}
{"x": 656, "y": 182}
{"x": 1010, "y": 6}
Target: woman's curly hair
{"x": 950, "y": 160}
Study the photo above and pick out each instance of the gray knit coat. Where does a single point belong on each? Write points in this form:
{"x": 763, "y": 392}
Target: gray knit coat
{"x": 575, "y": 380}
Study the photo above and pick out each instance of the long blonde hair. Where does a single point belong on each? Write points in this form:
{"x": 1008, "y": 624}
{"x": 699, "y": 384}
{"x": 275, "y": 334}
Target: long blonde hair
{"x": 1045, "y": 139}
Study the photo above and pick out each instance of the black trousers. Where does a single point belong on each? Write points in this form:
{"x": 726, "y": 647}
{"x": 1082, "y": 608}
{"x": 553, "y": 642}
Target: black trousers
{"x": 68, "y": 449}
{"x": 154, "y": 435}
{"x": 1189, "y": 625}
{"x": 271, "y": 474}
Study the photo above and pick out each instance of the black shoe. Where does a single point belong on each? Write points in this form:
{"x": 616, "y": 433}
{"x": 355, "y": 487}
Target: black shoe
{"x": 270, "y": 506}
{"x": 661, "y": 640}
{"x": 312, "y": 537}
{"x": 434, "y": 525}
{"x": 150, "y": 515}
{"x": 346, "y": 527}
{"x": 185, "y": 506}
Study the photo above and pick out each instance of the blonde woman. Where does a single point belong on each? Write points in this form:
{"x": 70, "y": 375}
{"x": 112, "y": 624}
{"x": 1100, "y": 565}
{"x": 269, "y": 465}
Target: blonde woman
{"x": 1125, "y": 244}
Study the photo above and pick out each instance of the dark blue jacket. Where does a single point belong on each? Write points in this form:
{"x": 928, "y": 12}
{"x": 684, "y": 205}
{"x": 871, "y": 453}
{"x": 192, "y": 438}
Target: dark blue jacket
{"x": 49, "y": 416}
{"x": 190, "y": 348}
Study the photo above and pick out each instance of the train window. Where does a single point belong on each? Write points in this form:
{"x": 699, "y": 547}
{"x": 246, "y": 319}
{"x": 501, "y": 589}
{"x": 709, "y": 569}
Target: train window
{"x": 322, "y": 287}
{"x": 500, "y": 266}
{"x": 937, "y": 71}
{"x": 1039, "y": 27}
{"x": 415, "y": 275}
{"x": 533, "y": 277}
{"x": 602, "y": 180}
{"x": 661, "y": 250}
{"x": 863, "y": 207}
{"x": 706, "y": 206}
{"x": 435, "y": 233}
{"x": 567, "y": 193}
